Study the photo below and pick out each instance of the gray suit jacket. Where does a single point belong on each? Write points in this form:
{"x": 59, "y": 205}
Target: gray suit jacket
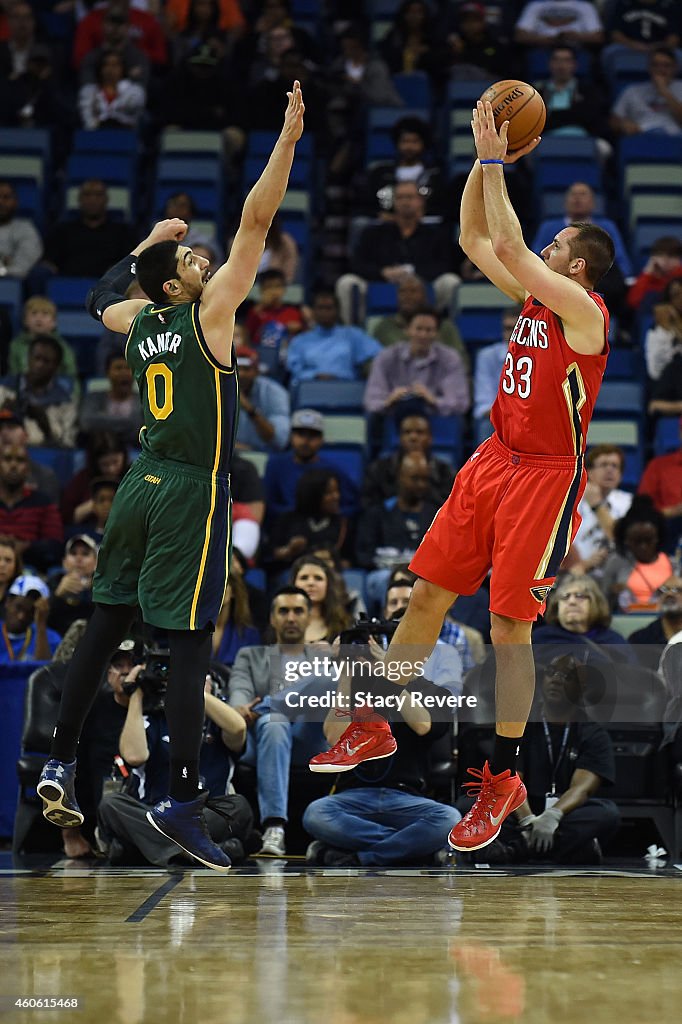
{"x": 257, "y": 671}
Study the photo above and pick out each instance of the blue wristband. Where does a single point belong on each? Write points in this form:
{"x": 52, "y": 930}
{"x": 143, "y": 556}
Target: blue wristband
{"x": 491, "y": 161}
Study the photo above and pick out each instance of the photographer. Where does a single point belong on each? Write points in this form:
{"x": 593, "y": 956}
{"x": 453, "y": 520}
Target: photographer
{"x": 379, "y": 814}
{"x": 123, "y": 829}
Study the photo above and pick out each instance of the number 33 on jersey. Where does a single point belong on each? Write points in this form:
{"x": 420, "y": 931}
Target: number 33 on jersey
{"x": 547, "y": 390}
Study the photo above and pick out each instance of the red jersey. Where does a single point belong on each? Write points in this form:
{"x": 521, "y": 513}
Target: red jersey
{"x": 547, "y": 390}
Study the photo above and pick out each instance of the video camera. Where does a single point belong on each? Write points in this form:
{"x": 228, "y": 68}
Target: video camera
{"x": 152, "y": 680}
{"x": 381, "y": 629}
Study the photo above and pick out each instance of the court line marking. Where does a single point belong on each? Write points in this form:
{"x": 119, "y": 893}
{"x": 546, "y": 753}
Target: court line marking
{"x": 152, "y": 902}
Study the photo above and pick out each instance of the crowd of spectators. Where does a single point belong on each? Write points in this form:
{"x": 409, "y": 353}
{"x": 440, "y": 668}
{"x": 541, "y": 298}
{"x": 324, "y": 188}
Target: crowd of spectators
{"x": 323, "y": 533}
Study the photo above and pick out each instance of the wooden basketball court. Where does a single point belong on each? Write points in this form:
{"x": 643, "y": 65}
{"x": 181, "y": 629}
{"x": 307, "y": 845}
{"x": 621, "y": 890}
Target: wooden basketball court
{"x": 282, "y": 944}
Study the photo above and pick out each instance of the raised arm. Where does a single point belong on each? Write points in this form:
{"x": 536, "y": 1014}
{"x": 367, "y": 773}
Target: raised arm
{"x": 566, "y": 298}
{"x": 107, "y": 301}
{"x": 475, "y": 238}
{"x": 232, "y": 282}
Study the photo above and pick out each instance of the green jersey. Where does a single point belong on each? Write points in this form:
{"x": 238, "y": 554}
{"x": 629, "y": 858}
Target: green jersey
{"x": 190, "y": 401}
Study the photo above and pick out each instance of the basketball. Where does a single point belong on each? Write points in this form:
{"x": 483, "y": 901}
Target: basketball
{"x": 522, "y": 106}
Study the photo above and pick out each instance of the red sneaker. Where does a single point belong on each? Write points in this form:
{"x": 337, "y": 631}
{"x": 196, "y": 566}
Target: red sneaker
{"x": 498, "y": 796}
{"x": 364, "y": 740}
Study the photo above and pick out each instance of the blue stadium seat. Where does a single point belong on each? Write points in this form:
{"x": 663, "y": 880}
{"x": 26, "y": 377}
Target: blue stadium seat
{"x": 335, "y": 395}
{"x": 574, "y": 148}
{"x": 106, "y": 140}
{"x": 667, "y": 437}
{"x": 414, "y": 89}
{"x": 111, "y": 168}
{"x": 257, "y": 578}
{"x": 480, "y": 327}
{"x": 70, "y": 292}
{"x": 379, "y": 147}
{"x": 181, "y": 169}
{"x": 83, "y": 333}
{"x": 620, "y": 398}
{"x": 26, "y": 140}
{"x": 10, "y": 298}
{"x": 382, "y": 297}
{"x": 560, "y": 174}
{"x": 463, "y": 93}
{"x": 648, "y": 148}
{"x": 30, "y": 198}
{"x": 624, "y": 364}
{"x": 349, "y": 460}
{"x": 65, "y": 462}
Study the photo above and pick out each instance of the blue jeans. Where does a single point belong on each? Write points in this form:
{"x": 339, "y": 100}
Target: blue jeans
{"x": 272, "y": 745}
{"x": 383, "y": 826}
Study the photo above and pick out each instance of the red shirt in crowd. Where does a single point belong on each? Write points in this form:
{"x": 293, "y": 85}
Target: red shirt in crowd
{"x": 662, "y": 480}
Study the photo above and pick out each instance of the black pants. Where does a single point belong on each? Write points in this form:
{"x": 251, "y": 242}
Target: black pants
{"x": 123, "y": 819}
{"x": 595, "y": 819}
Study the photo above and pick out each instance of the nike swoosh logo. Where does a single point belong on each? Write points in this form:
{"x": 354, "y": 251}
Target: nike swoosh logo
{"x": 496, "y": 820}
{"x": 354, "y": 750}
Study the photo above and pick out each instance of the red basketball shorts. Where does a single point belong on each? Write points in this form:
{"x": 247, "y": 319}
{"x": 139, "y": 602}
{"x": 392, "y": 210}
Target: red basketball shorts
{"x": 513, "y": 513}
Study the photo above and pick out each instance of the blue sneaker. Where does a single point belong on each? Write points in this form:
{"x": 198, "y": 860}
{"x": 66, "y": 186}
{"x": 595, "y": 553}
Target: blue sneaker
{"x": 56, "y": 790}
{"x": 185, "y": 825}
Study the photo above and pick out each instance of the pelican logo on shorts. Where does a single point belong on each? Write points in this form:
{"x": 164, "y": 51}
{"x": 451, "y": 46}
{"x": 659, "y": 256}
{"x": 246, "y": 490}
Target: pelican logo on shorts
{"x": 152, "y": 479}
{"x": 540, "y": 593}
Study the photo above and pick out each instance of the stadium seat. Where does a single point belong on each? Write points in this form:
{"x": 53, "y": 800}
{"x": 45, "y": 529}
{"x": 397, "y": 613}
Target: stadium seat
{"x": 174, "y": 140}
{"x": 336, "y": 395}
{"x": 649, "y": 148}
{"x": 347, "y": 431}
{"x": 623, "y": 432}
{"x": 26, "y": 141}
{"x": 23, "y": 167}
{"x": 627, "y": 624}
{"x": 65, "y": 462}
{"x": 181, "y": 169}
{"x": 111, "y": 168}
{"x": 659, "y": 206}
{"x": 414, "y": 89}
{"x": 106, "y": 140}
{"x": 30, "y": 198}
{"x": 379, "y": 147}
{"x": 70, "y": 292}
{"x": 10, "y": 298}
{"x": 652, "y": 178}
{"x": 382, "y": 297}
{"x": 257, "y": 578}
{"x": 483, "y": 296}
{"x": 83, "y": 333}
{"x": 558, "y": 175}
{"x": 619, "y": 398}
{"x": 348, "y": 460}
{"x": 624, "y": 364}
{"x": 574, "y": 148}
{"x": 463, "y": 93}
{"x": 667, "y": 438}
